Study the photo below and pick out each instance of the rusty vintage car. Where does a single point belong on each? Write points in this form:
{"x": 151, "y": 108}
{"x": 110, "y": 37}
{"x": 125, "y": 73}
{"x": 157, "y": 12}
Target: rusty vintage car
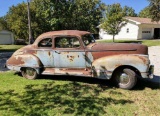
{"x": 73, "y": 52}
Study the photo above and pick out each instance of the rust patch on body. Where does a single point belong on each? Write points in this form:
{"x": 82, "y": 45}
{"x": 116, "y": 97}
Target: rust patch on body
{"x": 71, "y": 58}
{"x": 49, "y": 53}
{"x": 143, "y": 59}
{"x": 15, "y": 61}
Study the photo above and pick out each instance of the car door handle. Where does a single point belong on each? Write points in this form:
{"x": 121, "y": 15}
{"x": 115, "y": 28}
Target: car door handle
{"x": 57, "y": 52}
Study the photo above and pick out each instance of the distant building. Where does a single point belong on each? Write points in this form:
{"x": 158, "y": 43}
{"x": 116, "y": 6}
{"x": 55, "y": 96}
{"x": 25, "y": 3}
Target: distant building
{"x": 6, "y": 37}
{"x": 136, "y": 28}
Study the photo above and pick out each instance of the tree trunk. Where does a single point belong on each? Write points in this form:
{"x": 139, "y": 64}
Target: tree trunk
{"x": 113, "y": 38}
{"x": 29, "y": 23}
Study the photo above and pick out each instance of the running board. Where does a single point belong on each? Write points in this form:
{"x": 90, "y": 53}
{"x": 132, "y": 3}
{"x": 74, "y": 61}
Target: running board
{"x": 65, "y": 71}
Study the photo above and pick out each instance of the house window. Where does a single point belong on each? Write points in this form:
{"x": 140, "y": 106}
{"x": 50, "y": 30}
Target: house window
{"x": 127, "y": 30}
{"x": 146, "y": 32}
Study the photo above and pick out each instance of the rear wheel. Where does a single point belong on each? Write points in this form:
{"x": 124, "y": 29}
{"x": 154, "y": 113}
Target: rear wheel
{"x": 125, "y": 78}
{"x": 29, "y": 73}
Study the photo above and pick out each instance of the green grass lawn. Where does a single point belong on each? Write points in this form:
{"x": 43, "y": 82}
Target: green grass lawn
{"x": 9, "y": 48}
{"x": 144, "y": 42}
{"x": 63, "y": 95}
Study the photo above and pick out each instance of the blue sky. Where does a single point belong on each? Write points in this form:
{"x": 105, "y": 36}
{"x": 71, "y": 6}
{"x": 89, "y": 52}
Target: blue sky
{"x": 137, "y": 5}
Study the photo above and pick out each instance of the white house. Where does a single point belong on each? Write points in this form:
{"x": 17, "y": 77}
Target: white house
{"x": 6, "y": 37}
{"x": 136, "y": 28}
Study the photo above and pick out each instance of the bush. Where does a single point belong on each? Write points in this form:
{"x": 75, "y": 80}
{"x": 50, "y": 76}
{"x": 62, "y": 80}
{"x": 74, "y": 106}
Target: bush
{"x": 20, "y": 42}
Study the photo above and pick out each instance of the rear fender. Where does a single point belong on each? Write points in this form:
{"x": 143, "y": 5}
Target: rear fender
{"x": 27, "y": 60}
{"x": 106, "y": 65}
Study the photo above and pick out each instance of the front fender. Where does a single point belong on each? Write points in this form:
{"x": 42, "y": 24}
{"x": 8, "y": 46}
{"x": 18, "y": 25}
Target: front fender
{"x": 109, "y": 63}
{"x": 25, "y": 60}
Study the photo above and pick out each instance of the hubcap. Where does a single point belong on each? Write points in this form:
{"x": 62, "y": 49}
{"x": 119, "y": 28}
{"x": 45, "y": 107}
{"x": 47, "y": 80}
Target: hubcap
{"x": 124, "y": 79}
{"x": 30, "y": 71}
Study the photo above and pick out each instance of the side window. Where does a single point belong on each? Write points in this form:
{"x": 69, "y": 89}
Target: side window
{"x": 67, "y": 42}
{"x": 47, "y": 42}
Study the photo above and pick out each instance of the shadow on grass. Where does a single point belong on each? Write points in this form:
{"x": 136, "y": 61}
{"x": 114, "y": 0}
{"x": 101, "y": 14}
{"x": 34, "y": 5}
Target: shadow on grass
{"x": 67, "y": 98}
{"x": 141, "y": 84}
{"x": 150, "y": 83}
{"x": 8, "y": 50}
{"x": 139, "y": 42}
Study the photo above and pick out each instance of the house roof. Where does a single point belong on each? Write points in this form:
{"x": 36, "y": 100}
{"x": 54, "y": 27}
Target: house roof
{"x": 142, "y": 20}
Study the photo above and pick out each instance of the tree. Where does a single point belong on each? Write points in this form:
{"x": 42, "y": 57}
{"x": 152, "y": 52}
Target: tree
{"x": 17, "y": 20}
{"x": 129, "y": 11}
{"x": 145, "y": 13}
{"x": 154, "y": 10}
{"x": 3, "y": 23}
{"x": 48, "y": 15}
{"x": 71, "y": 14}
{"x": 113, "y": 21}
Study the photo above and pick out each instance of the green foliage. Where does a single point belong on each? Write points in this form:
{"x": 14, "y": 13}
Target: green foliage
{"x": 3, "y": 23}
{"x": 155, "y": 10}
{"x": 74, "y": 96}
{"x": 129, "y": 11}
{"x": 113, "y": 21}
{"x": 152, "y": 11}
{"x": 48, "y": 15}
{"x": 145, "y": 13}
{"x": 17, "y": 21}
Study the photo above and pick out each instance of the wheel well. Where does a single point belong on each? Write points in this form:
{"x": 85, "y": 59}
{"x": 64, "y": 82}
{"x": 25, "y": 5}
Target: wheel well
{"x": 22, "y": 68}
{"x": 127, "y": 66}
{"x": 38, "y": 70}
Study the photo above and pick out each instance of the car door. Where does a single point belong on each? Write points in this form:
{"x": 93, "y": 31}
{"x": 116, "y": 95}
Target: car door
{"x": 45, "y": 52}
{"x": 69, "y": 53}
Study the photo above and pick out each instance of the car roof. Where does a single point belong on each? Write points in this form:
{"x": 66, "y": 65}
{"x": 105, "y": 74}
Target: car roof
{"x": 61, "y": 33}
{"x": 64, "y": 32}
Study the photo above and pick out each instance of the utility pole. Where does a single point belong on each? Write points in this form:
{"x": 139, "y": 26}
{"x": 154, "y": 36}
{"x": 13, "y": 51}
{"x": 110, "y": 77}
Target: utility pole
{"x": 29, "y": 23}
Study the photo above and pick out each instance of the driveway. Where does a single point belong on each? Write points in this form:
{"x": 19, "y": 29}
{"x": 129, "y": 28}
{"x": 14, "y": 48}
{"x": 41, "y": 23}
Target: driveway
{"x": 3, "y": 57}
{"x": 154, "y": 56}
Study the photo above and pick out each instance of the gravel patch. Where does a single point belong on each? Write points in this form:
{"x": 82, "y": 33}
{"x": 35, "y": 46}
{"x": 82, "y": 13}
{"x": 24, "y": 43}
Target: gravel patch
{"x": 3, "y": 57}
{"x": 154, "y": 56}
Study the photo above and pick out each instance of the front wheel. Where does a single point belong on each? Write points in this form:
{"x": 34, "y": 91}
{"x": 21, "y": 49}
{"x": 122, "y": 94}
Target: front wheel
{"x": 125, "y": 78}
{"x": 29, "y": 73}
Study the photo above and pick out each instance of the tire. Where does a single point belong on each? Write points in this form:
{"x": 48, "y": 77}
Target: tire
{"x": 29, "y": 73}
{"x": 125, "y": 78}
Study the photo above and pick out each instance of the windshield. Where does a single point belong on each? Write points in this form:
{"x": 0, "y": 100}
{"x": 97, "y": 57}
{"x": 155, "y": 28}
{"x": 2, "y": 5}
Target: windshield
{"x": 88, "y": 39}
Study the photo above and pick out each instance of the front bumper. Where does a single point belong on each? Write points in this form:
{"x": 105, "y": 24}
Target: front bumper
{"x": 151, "y": 71}
{"x": 148, "y": 74}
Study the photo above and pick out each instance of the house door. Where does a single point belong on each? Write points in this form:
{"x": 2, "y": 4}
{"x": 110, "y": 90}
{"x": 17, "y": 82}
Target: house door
{"x": 146, "y": 33}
